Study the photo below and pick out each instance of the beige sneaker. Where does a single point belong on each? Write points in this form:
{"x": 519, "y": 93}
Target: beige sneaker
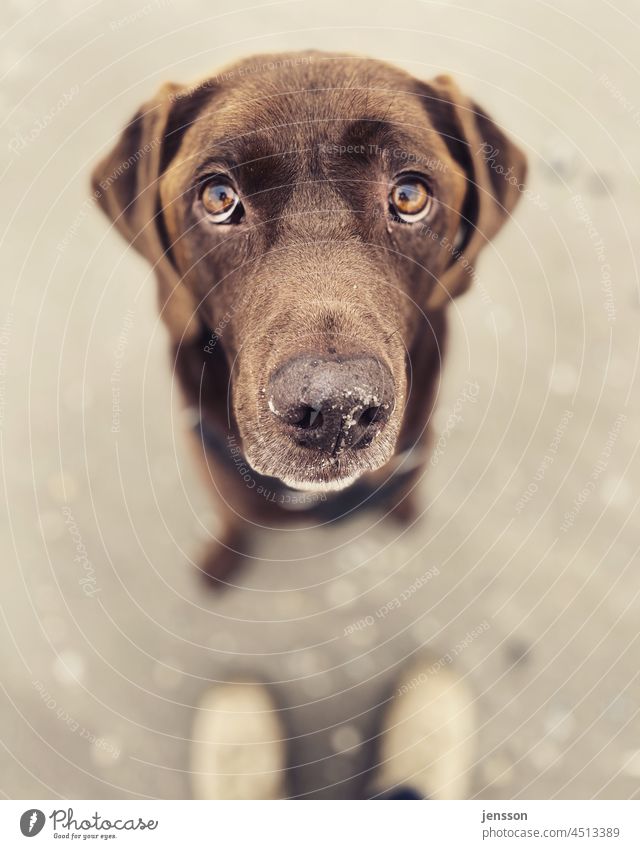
{"x": 427, "y": 745}
{"x": 238, "y": 748}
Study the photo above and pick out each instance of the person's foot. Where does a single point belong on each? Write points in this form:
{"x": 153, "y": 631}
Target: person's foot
{"x": 427, "y": 743}
{"x": 238, "y": 744}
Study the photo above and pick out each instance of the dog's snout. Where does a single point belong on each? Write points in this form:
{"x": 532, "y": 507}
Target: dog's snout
{"x": 332, "y": 403}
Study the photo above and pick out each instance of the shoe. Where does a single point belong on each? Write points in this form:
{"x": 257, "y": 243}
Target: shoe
{"x": 427, "y": 744}
{"x": 238, "y": 748}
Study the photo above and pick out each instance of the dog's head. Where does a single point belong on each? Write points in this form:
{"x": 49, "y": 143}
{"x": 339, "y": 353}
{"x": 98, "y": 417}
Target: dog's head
{"x": 311, "y": 211}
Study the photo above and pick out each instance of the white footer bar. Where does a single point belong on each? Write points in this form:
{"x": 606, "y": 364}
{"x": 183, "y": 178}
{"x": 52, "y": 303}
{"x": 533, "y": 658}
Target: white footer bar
{"x": 321, "y": 824}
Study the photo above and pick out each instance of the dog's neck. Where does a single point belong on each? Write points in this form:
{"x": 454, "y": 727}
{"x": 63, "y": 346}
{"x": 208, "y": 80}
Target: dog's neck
{"x": 368, "y": 492}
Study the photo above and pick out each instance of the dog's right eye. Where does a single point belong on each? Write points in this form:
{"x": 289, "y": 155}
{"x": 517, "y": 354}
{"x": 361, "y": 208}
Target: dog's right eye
{"x": 221, "y": 202}
{"x": 410, "y": 199}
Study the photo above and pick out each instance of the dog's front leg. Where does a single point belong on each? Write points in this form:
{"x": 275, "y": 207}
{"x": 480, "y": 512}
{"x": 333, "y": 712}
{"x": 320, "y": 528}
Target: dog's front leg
{"x": 225, "y": 553}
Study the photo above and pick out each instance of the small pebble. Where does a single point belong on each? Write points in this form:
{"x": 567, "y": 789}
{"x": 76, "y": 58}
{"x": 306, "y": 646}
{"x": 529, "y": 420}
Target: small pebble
{"x": 498, "y": 770}
{"x": 165, "y": 472}
{"x": 619, "y": 709}
{"x": 364, "y": 636}
{"x": 341, "y": 592}
{"x": 560, "y": 159}
{"x": 190, "y": 417}
{"x": 616, "y": 491}
{"x": 68, "y": 667}
{"x": 51, "y": 524}
{"x": 45, "y": 595}
{"x": 166, "y": 675}
{"x": 361, "y": 669}
{"x": 223, "y": 642}
{"x": 440, "y": 418}
{"x": 353, "y": 556}
{"x": 208, "y": 526}
{"x": 302, "y": 663}
{"x": 290, "y": 604}
{"x": 54, "y": 627}
{"x": 599, "y": 184}
{"x": 13, "y": 62}
{"x": 559, "y": 723}
{"x": 369, "y": 548}
{"x": 62, "y": 488}
{"x": 25, "y": 7}
{"x": 106, "y": 751}
{"x": 563, "y": 379}
{"x": 499, "y": 317}
{"x": 517, "y": 652}
{"x": 346, "y": 738}
{"x": 618, "y": 372}
{"x": 544, "y": 755}
{"x": 78, "y": 396}
{"x": 337, "y": 769}
{"x": 425, "y": 630}
{"x": 316, "y": 686}
{"x": 631, "y": 763}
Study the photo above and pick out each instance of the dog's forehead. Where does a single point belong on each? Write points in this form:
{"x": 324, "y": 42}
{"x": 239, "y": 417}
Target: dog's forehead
{"x": 302, "y": 104}
{"x": 333, "y": 81}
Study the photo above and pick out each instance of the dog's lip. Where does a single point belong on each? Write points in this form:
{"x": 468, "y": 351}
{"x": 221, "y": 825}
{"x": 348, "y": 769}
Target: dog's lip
{"x": 334, "y": 485}
{"x": 314, "y": 472}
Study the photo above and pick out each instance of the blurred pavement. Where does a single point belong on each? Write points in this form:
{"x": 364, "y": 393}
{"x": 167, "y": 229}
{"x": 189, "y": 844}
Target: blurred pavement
{"x": 107, "y": 638}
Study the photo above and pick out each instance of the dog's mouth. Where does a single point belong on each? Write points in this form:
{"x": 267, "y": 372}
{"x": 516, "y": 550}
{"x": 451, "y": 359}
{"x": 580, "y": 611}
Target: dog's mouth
{"x": 308, "y": 470}
{"x": 323, "y": 421}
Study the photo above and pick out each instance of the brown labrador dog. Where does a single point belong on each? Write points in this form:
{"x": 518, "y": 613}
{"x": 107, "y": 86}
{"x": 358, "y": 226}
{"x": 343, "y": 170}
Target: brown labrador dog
{"x": 308, "y": 217}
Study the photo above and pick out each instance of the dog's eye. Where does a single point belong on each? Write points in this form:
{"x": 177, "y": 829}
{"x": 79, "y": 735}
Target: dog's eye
{"x": 221, "y": 201}
{"x": 410, "y": 199}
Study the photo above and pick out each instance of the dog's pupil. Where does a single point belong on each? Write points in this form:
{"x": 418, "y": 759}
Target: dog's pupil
{"x": 223, "y": 198}
{"x": 220, "y": 198}
{"x": 409, "y": 196}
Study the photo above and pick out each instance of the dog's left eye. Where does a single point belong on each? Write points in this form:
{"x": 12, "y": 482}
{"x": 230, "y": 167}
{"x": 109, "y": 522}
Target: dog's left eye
{"x": 221, "y": 201}
{"x": 410, "y": 199}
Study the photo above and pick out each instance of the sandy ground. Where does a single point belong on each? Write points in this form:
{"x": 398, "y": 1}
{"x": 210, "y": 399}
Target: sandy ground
{"x": 526, "y": 568}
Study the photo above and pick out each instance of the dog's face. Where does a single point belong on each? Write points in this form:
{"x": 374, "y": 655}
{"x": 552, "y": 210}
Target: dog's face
{"x": 311, "y": 211}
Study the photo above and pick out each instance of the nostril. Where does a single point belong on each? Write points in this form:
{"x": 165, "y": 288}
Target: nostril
{"x": 368, "y": 416}
{"x": 331, "y": 403}
{"x": 310, "y": 419}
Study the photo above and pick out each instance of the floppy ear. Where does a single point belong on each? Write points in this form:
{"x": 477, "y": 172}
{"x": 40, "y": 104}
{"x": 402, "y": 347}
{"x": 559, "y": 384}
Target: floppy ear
{"x": 126, "y": 185}
{"x": 495, "y": 170}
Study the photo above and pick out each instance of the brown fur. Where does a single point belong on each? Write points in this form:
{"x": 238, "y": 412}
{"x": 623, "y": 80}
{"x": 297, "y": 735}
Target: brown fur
{"x": 312, "y": 142}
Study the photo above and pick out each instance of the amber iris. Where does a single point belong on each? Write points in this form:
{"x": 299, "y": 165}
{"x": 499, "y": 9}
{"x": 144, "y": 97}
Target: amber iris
{"x": 220, "y": 201}
{"x": 410, "y": 199}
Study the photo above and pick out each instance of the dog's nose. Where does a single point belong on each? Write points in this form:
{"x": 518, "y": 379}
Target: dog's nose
{"x": 331, "y": 403}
